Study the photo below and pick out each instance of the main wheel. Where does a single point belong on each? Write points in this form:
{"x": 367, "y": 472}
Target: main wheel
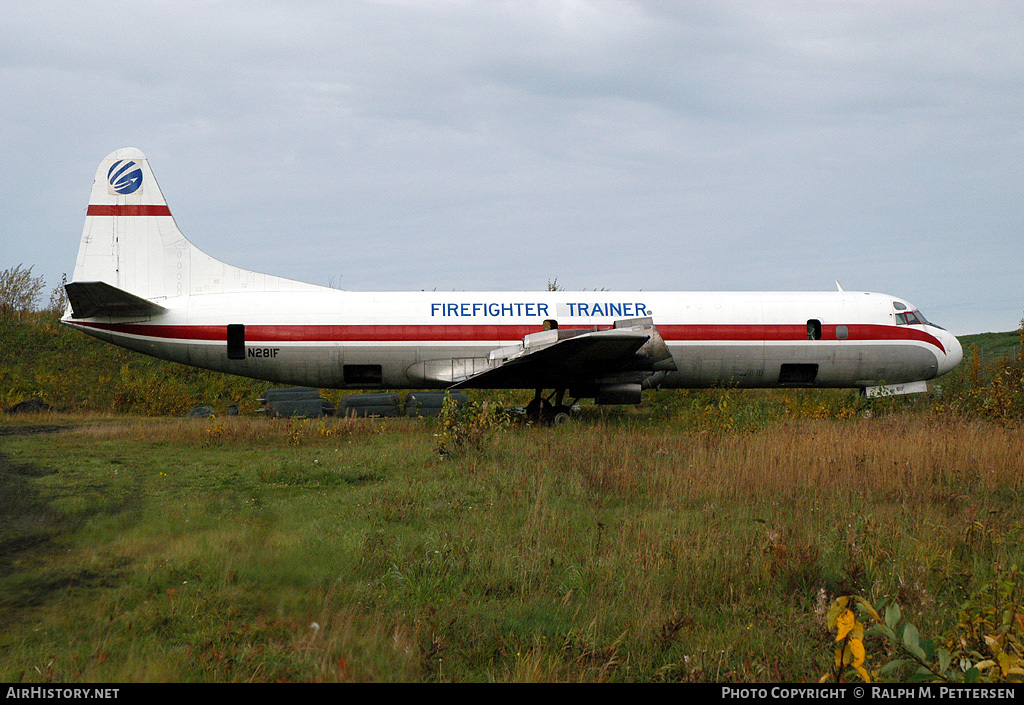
{"x": 561, "y": 414}
{"x": 538, "y": 410}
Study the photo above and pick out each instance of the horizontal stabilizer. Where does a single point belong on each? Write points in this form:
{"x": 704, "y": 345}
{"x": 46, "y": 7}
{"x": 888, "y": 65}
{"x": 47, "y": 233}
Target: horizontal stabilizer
{"x": 91, "y": 299}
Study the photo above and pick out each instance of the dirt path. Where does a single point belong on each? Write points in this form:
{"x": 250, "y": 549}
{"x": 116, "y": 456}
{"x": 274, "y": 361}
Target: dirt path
{"x": 27, "y": 526}
{"x": 32, "y": 430}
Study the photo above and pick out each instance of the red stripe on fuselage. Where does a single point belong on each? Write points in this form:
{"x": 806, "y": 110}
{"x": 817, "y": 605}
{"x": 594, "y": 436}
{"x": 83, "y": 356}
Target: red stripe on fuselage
{"x": 770, "y": 333}
{"x": 480, "y": 333}
{"x": 128, "y": 210}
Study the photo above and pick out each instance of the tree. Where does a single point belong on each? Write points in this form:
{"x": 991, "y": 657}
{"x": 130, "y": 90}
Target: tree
{"x": 19, "y": 290}
{"x": 59, "y": 297}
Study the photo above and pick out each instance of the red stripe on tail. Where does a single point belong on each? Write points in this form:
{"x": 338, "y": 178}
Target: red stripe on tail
{"x": 128, "y": 210}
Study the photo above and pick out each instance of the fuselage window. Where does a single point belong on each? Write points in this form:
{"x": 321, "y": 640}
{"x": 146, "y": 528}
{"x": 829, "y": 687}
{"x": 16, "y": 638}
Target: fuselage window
{"x": 814, "y": 329}
{"x": 842, "y": 332}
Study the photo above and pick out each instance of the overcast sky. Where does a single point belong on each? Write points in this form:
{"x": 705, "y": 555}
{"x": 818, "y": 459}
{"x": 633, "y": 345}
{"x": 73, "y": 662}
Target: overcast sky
{"x": 432, "y": 144}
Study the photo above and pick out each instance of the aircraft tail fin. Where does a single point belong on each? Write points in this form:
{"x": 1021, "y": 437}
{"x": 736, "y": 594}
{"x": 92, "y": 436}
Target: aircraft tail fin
{"x": 131, "y": 242}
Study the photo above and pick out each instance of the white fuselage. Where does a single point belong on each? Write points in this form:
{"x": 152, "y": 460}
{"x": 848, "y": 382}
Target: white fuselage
{"x": 337, "y": 339}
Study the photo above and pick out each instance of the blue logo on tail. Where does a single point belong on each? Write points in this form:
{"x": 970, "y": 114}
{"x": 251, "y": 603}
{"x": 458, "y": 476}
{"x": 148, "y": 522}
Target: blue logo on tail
{"x": 123, "y": 178}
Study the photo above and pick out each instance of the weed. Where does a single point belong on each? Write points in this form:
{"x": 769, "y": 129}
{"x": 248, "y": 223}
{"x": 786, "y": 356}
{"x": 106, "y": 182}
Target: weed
{"x": 986, "y": 645}
{"x": 467, "y": 426}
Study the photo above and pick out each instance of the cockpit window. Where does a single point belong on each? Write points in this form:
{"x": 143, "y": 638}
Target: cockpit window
{"x": 910, "y": 318}
{"x": 914, "y": 317}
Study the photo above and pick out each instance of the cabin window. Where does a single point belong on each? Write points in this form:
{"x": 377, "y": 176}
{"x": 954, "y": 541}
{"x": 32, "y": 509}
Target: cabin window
{"x": 842, "y": 332}
{"x": 550, "y": 324}
{"x": 363, "y": 375}
{"x": 814, "y": 329}
{"x": 236, "y": 341}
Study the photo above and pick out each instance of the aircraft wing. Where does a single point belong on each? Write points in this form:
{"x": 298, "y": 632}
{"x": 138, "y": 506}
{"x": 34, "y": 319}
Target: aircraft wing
{"x": 564, "y": 357}
{"x": 90, "y": 299}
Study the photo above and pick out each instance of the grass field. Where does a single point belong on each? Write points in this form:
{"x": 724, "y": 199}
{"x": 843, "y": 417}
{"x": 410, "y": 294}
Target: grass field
{"x": 614, "y": 549}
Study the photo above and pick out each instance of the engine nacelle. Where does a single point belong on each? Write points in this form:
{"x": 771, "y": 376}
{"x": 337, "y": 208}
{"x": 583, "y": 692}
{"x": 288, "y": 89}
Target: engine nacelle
{"x": 628, "y": 393}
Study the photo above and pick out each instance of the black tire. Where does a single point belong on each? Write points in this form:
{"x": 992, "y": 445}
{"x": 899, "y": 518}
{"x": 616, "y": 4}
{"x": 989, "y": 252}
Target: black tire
{"x": 561, "y": 415}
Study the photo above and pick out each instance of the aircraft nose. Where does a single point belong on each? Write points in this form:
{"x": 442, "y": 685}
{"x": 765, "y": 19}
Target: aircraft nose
{"x": 954, "y": 353}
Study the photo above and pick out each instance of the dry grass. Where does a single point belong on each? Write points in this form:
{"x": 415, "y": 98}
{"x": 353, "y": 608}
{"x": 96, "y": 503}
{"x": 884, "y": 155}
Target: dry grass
{"x": 230, "y": 429}
{"x": 902, "y": 456}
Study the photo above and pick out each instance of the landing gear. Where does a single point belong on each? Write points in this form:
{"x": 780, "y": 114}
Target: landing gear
{"x": 560, "y": 415}
{"x": 540, "y": 410}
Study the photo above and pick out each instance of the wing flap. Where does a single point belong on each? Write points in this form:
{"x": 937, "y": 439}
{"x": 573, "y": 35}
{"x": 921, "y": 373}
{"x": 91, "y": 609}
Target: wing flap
{"x": 91, "y": 299}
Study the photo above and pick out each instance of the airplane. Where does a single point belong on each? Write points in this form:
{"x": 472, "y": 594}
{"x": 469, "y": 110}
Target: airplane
{"x": 140, "y": 284}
